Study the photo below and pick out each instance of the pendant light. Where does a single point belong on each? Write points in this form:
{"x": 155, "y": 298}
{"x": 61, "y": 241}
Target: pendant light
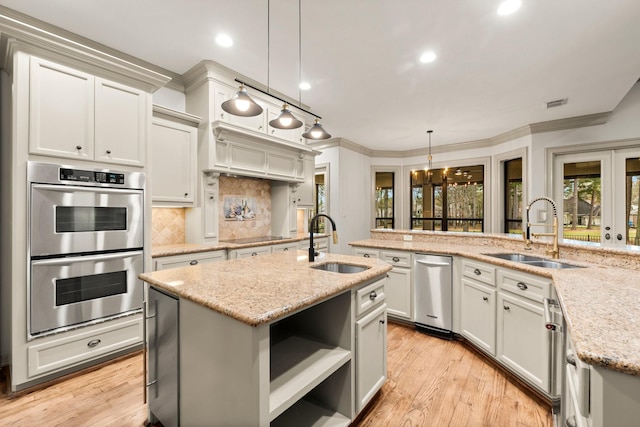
{"x": 242, "y": 104}
{"x": 316, "y": 131}
{"x": 285, "y": 120}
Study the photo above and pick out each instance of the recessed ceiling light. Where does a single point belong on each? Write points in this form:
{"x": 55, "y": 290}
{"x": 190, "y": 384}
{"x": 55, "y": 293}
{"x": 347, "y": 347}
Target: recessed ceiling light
{"x": 507, "y": 7}
{"x": 224, "y": 40}
{"x": 305, "y": 85}
{"x": 427, "y": 57}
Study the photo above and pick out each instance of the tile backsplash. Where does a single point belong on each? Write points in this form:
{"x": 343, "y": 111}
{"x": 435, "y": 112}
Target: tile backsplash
{"x": 167, "y": 226}
{"x": 245, "y": 208}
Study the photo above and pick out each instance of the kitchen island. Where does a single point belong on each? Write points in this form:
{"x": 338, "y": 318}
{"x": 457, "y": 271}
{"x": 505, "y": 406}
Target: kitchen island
{"x": 265, "y": 340}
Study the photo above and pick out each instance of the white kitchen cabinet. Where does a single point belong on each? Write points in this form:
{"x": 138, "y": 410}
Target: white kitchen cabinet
{"x": 366, "y": 252}
{"x": 284, "y": 209}
{"x": 249, "y": 252}
{"x": 478, "y": 314}
{"x": 304, "y": 195}
{"x": 173, "y": 162}
{"x": 183, "y": 260}
{"x": 285, "y": 247}
{"x": 73, "y": 114}
{"x": 371, "y": 341}
{"x": 399, "y": 287}
{"x": 523, "y": 344}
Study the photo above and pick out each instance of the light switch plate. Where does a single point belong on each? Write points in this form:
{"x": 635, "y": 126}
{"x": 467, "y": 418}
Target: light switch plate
{"x": 542, "y": 216}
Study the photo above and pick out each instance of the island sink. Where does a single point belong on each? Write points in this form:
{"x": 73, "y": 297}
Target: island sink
{"x": 533, "y": 260}
{"x": 340, "y": 268}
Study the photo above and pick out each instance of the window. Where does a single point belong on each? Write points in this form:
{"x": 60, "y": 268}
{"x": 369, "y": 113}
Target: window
{"x": 384, "y": 200}
{"x": 513, "y": 196}
{"x": 321, "y": 200}
{"x": 444, "y": 200}
{"x": 582, "y": 194}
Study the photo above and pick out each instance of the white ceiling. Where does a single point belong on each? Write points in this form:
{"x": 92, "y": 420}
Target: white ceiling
{"x": 493, "y": 73}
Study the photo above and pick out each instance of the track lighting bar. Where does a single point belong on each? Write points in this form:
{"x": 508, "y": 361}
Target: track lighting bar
{"x": 278, "y": 98}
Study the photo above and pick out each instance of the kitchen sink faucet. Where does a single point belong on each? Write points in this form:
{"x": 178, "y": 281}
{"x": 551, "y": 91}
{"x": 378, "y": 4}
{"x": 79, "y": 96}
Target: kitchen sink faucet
{"x": 555, "y": 252}
{"x": 312, "y": 252}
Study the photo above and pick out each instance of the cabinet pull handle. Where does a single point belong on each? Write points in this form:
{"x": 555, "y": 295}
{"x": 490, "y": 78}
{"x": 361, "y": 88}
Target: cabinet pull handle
{"x": 254, "y": 253}
{"x": 571, "y": 421}
{"x": 186, "y": 194}
{"x": 571, "y": 359}
{"x": 485, "y": 298}
{"x": 108, "y": 151}
{"x": 477, "y": 272}
{"x": 506, "y": 307}
{"x": 260, "y": 127}
{"x": 522, "y": 286}
{"x": 194, "y": 262}
{"x": 285, "y": 249}
{"x": 78, "y": 147}
{"x": 373, "y": 295}
{"x": 382, "y": 321}
{"x": 366, "y": 256}
{"x": 93, "y": 343}
{"x": 395, "y": 259}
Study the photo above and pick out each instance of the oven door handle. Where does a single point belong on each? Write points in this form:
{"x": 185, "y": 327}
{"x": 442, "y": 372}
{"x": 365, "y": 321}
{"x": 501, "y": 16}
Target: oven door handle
{"x": 68, "y": 188}
{"x": 86, "y": 258}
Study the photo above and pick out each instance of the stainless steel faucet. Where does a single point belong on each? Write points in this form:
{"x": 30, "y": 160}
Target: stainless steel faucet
{"x": 312, "y": 251}
{"x": 554, "y": 252}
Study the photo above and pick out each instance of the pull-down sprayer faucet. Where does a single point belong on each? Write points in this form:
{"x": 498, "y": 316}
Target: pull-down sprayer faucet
{"x": 312, "y": 251}
{"x": 555, "y": 252}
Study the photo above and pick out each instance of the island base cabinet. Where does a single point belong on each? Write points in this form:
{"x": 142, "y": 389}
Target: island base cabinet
{"x": 162, "y": 358}
{"x": 523, "y": 344}
{"x": 371, "y": 355}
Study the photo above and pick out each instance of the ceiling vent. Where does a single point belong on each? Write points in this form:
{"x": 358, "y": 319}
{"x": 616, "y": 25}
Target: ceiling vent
{"x": 557, "y": 103}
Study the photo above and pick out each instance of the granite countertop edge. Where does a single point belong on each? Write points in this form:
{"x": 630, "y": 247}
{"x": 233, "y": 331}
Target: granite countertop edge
{"x": 601, "y": 336}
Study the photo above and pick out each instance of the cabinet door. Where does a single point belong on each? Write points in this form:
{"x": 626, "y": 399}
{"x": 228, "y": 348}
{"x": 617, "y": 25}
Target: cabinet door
{"x": 478, "y": 321}
{"x": 398, "y": 290}
{"x": 163, "y": 364}
{"x": 304, "y": 192}
{"x": 523, "y": 341}
{"x": 371, "y": 355}
{"x": 173, "y": 161}
{"x": 61, "y": 120}
{"x": 121, "y": 117}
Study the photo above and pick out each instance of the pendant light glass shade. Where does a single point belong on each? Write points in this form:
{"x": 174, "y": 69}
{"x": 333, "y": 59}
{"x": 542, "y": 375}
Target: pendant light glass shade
{"x": 242, "y": 104}
{"x": 285, "y": 120}
{"x": 316, "y": 132}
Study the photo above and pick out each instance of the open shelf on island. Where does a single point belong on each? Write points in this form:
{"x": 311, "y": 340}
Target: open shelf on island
{"x": 298, "y": 364}
{"x": 306, "y": 413}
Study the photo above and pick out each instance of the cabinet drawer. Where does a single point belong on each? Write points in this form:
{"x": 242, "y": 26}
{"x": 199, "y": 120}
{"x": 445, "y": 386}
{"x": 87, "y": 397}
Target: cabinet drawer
{"x": 524, "y": 285}
{"x": 370, "y": 296}
{"x": 397, "y": 259}
{"x": 285, "y": 247}
{"x": 85, "y": 346}
{"x": 481, "y": 272}
{"x": 366, "y": 252}
{"x": 163, "y": 263}
{"x": 249, "y": 252}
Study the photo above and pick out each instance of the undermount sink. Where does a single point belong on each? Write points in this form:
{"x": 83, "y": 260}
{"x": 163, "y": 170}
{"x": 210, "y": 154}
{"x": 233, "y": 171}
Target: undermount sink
{"x": 340, "y": 268}
{"x": 516, "y": 257}
{"x": 533, "y": 260}
{"x": 550, "y": 264}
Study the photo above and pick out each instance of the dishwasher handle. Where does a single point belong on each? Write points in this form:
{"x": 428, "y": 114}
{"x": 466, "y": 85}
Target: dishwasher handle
{"x": 433, "y": 264}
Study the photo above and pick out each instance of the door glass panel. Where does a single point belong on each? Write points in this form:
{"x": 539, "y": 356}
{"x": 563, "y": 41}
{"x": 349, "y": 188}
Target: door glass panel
{"x": 384, "y": 199}
{"x": 582, "y": 195}
{"x": 87, "y": 218}
{"x": 93, "y": 286}
{"x": 632, "y": 190}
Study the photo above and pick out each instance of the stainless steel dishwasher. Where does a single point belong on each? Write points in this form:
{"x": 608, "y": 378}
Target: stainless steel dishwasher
{"x": 432, "y": 276}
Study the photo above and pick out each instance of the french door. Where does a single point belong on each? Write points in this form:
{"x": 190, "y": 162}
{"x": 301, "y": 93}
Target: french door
{"x": 597, "y": 194}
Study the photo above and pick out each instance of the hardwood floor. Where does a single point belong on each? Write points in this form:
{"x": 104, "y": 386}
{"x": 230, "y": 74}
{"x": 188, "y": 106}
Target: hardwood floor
{"x": 432, "y": 382}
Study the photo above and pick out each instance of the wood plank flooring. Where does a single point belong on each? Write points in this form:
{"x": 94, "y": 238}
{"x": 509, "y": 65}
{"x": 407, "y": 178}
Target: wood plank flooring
{"x": 432, "y": 382}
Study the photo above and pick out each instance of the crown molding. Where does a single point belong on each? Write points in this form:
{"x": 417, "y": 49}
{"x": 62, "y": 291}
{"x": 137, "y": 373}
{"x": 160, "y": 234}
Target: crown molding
{"x": 523, "y": 131}
{"x": 20, "y": 31}
{"x": 170, "y": 114}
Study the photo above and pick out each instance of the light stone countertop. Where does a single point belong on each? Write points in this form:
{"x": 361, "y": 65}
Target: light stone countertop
{"x": 601, "y": 302}
{"x": 191, "y": 248}
{"x": 261, "y": 289}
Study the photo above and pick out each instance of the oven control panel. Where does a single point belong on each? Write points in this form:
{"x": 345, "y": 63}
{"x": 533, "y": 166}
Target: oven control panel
{"x": 91, "y": 176}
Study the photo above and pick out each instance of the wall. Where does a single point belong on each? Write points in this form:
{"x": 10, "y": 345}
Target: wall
{"x": 167, "y": 226}
{"x": 257, "y": 194}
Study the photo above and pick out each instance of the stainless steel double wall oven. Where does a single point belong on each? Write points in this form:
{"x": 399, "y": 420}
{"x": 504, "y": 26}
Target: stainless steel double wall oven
{"x": 86, "y": 239}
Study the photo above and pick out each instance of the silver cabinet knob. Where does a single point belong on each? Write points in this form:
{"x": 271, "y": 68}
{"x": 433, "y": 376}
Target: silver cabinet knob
{"x": 571, "y": 359}
{"x": 373, "y": 295}
{"x": 522, "y": 286}
{"x": 477, "y": 272}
